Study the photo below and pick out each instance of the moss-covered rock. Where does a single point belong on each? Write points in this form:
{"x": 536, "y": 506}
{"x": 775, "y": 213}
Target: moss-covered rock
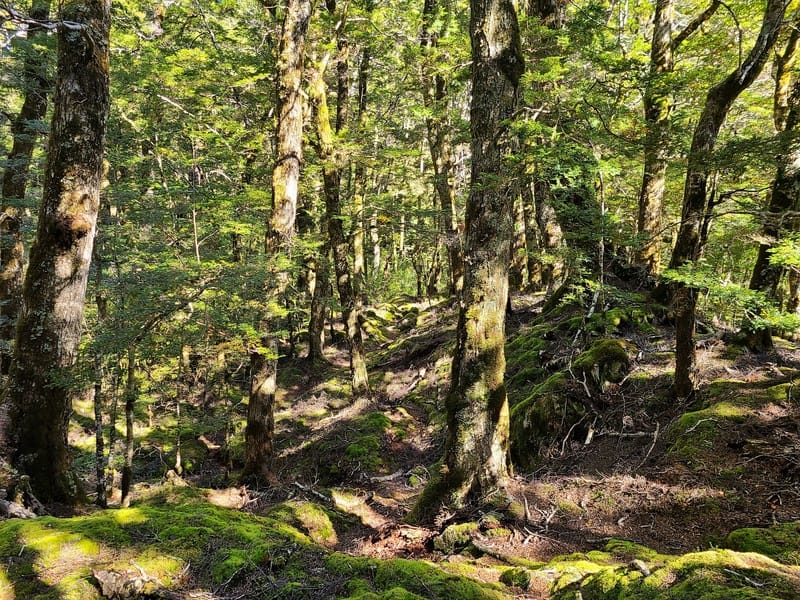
{"x": 369, "y": 578}
{"x": 535, "y": 422}
{"x": 709, "y": 575}
{"x": 607, "y": 361}
{"x": 516, "y": 577}
{"x": 455, "y": 537}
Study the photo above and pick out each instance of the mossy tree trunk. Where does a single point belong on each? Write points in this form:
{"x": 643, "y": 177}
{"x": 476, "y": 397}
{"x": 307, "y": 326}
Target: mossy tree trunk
{"x": 49, "y": 326}
{"x": 688, "y": 246}
{"x": 784, "y": 199}
{"x": 331, "y": 174}
{"x": 542, "y": 222}
{"x": 131, "y": 394}
{"x": 281, "y": 230}
{"x": 657, "y": 109}
{"x": 25, "y": 131}
{"x": 475, "y": 457}
{"x": 436, "y": 100}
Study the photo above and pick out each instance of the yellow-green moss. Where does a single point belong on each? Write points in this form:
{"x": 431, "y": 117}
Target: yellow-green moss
{"x": 312, "y": 519}
{"x": 779, "y": 542}
{"x": 401, "y": 576}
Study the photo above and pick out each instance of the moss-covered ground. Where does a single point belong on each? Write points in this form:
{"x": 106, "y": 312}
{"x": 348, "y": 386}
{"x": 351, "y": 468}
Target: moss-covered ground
{"x": 618, "y": 491}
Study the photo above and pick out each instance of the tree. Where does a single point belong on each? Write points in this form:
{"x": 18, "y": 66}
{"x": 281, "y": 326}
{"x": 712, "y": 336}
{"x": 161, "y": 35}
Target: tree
{"x": 25, "y": 131}
{"x": 696, "y": 208}
{"x": 475, "y": 456}
{"x": 285, "y": 189}
{"x": 435, "y": 98}
{"x": 784, "y": 197}
{"x": 40, "y": 391}
{"x": 657, "y": 110}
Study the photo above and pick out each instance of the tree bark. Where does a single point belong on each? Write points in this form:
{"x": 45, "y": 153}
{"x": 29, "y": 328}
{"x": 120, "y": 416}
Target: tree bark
{"x": 475, "y": 456}
{"x": 316, "y": 325}
{"x": 784, "y": 198}
{"x": 434, "y": 95}
{"x": 131, "y": 393}
{"x": 259, "y": 433}
{"x": 25, "y": 131}
{"x": 289, "y": 129}
{"x": 281, "y": 230}
{"x": 49, "y": 325}
{"x": 331, "y": 175}
{"x": 688, "y": 245}
{"x": 657, "y": 109}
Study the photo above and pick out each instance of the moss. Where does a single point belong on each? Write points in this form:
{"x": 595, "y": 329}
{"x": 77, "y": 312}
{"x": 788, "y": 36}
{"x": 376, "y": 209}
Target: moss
{"x": 779, "y": 542}
{"x": 516, "y": 577}
{"x": 312, "y": 519}
{"x": 455, "y": 537}
{"x": 696, "y": 432}
{"x": 710, "y": 575}
{"x": 607, "y": 361}
{"x": 401, "y": 576}
{"x": 538, "y": 419}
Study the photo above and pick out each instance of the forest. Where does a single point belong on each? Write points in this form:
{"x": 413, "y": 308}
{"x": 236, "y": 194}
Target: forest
{"x": 415, "y": 299}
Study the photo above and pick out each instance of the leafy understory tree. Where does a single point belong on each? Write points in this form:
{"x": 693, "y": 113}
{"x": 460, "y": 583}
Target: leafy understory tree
{"x": 696, "y": 197}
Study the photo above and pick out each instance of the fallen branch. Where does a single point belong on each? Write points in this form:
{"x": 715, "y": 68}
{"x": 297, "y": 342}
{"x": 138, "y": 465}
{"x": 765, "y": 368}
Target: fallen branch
{"x": 313, "y": 492}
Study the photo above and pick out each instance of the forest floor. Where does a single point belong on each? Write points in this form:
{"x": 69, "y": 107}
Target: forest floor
{"x": 633, "y": 486}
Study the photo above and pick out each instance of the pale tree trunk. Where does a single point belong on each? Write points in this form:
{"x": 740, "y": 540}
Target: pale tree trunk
{"x": 50, "y": 321}
{"x": 25, "y": 131}
{"x": 434, "y": 95}
{"x": 657, "y": 109}
{"x": 551, "y": 235}
{"x": 688, "y": 245}
{"x": 285, "y": 190}
{"x": 331, "y": 174}
{"x": 476, "y": 448}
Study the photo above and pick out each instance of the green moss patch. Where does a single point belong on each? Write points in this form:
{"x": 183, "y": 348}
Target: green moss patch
{"x": 400, "y": 578}
{"x": 627, "y": 570}
{"x": 779, "y": 542}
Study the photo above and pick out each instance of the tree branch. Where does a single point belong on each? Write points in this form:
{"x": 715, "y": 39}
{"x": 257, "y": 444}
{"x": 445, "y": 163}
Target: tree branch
{"x": 695, "y": 24}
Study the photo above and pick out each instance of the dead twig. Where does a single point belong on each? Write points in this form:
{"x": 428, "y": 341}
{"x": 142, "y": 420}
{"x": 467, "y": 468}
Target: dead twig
{"x": 653, "y": 445}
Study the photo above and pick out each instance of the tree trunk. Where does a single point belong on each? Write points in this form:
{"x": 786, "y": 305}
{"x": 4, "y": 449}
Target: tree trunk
{"x": 260, "y": 428}
{"x": 657, "y": 109}
{"x": 344, "y": 282}
{"x": 532, "y": 240}
{"x": 784, "y": 199}
{"x": 281, "y": 230}
{"x": 131, "y": 393}
{"x": 289, "y": 129}
{"x": 552, "y": 237}
{"x": 475, "y": 457}
{"x": 49, "y": 328}
{"x": 316, "y": 324}
{"x": 434, "y": 95}
{"x": 551, "y": 15}
{"x": 688, "y": 245}
{"x": 25, "y": 130}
